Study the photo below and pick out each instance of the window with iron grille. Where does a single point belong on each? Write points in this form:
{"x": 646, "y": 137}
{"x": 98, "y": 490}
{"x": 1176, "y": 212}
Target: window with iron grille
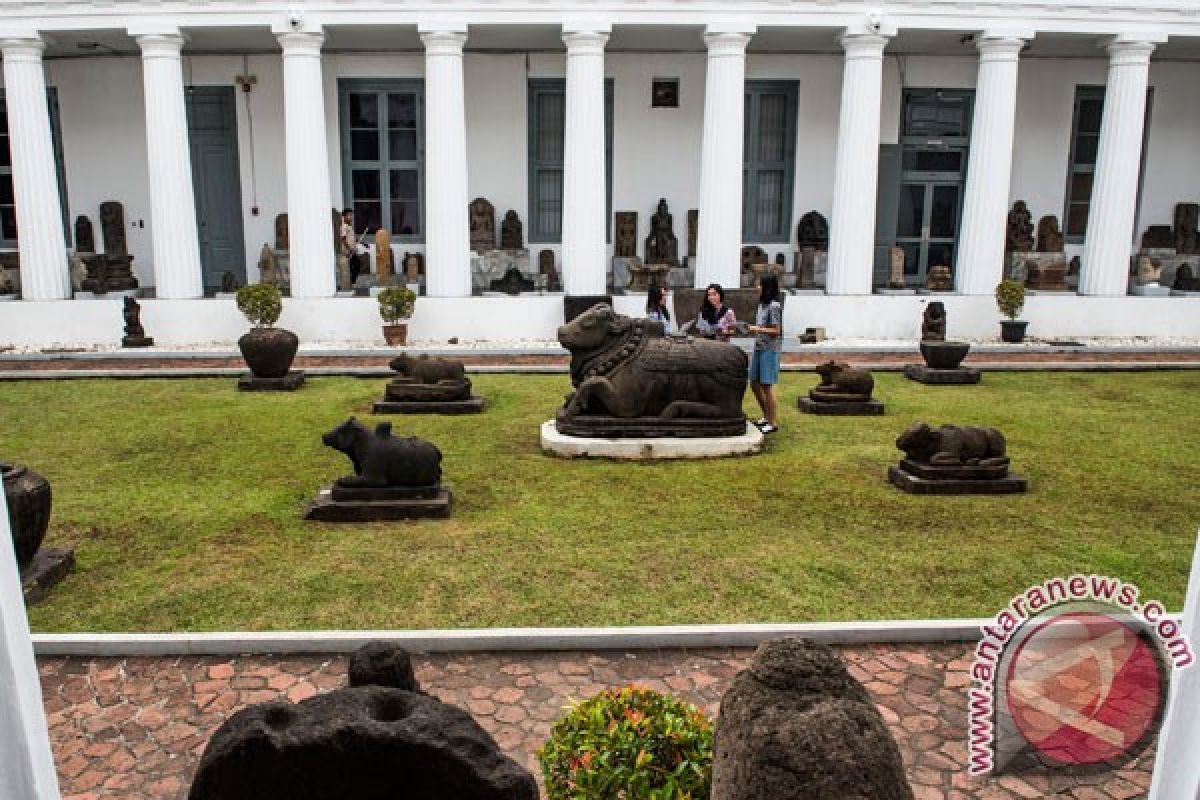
{"x": 768, "y": 163}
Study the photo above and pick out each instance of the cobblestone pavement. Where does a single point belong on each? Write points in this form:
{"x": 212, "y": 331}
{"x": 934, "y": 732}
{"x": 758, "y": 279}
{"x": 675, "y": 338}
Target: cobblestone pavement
{"x": 136, "y": 727}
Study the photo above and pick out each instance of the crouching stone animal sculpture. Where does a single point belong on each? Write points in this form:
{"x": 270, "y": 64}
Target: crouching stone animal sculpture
{"x": 840, "y": 382}
{"x": 952, "y": 446}
{"x": 621, "y": 368}
{"x": 382, "y": 460}
{"x": 427, "y": 370}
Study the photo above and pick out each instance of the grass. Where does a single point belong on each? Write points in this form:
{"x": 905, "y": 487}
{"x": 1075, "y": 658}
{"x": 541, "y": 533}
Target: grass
{"x": 183, "y": 500}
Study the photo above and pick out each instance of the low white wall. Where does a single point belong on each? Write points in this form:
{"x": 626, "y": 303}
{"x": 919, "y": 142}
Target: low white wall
{"x": 355, "y": 320}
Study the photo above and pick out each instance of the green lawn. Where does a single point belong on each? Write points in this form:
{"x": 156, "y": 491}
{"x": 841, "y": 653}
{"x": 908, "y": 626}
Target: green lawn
{"x": 183, "y": 500}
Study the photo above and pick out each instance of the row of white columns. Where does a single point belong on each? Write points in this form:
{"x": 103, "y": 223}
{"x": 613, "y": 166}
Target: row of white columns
{"x": 177, "y": 268}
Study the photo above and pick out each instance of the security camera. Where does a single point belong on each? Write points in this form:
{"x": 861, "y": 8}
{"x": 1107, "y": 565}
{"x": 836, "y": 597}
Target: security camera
{"x": 875, "y": 23}
{"x": 294, "y": 18}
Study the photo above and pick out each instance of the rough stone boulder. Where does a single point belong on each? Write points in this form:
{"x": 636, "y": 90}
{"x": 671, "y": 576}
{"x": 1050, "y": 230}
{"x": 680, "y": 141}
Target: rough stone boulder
{"x": 796, "y": 725}
{"x": 365, "y": 743}
{"x": 382, "y": 664}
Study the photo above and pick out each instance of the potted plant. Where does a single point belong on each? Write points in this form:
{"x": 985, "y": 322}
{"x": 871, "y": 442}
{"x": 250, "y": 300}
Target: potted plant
{"x": 1010, "y": 298}
{"x": 396, "y": 307}
{"x": 268, "y": 351}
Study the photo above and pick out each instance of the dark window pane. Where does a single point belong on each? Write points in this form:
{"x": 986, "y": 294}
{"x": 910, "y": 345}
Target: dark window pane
{"x": 8, "y": 222}
{"x": 941, "y": 254}
{"x": 549, "y": 205}
{"x": 6, "y": 189}
{"x": 1085, "y": 149}
{"x": 772, "y": 125}
{"x": 943, "y": 218}
{"x": 1081, "y": 187}
{"x": 912, "y": 210}
{"x": 402, "y": 145}
{"x": 3, "y": 119}
{"x": 403, "y": 184}
{"x": 1091, "y": 110}
{"x": 769, "y": 203}
{"x": 364, "y": 145}
{"x": 1077, "y": 216}
{"x": 402, "y": 110}
{"x": 366, "y": 216}
{"x": 366, "y": 184}
{"x": 932, "y": 160}
{"x": 550, "y": 113}
{"x": 364, "y": 111}
{"x": 5, "y": 153}
{"x": 912, "y": 257}
{"x": 405, "y": 221}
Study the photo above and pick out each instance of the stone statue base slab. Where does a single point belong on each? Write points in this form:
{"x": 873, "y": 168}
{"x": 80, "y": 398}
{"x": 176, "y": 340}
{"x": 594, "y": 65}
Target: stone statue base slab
{"x": 1148, "y": 290}
{"x": 6, "y": 297}
{"x": 48, "y": 567}
{"x": 886, "y": 290}
{"x": 393, "y": 503}
{"x": 472, "y": 405}
{"x": 942, "y": 377}
{"x": 648, "y": 427}
{"x": 574, "y": 305}
{"x": 936, "y": 472}
{"x": 407, "y": 390}
{"x": 923, "y": 290}
{"x": 112, "y": 294}
{"x": 840, "y": 408}
{"x": 1011, "y": 483}
{"x": 681, "y": 277}
{"x": 1184, "y": 293}
{"x": 293, "y": 380}
{"x": 137, "y": 341}
{"x": 748, "y": 441}
{"x": 1051, "y": 292}
{"x": 810, "y": 290}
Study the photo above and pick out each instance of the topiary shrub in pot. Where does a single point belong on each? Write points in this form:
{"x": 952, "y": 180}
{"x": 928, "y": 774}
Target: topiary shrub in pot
{"x": 626, "y": 743}
{"x": 268, "y": 351}
{"x": 396, "y": 305}
{"x": 1010, "y": 299}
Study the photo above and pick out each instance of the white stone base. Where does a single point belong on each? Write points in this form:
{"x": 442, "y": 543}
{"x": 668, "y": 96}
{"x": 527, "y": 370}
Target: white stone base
{"x": 663, "y": 448}
{"x": 1183, "y": 293}
{"x": 810, "y": 292}
{"x": 1150, "y": 290}
{"x": 886, "y": 291}
{"x": 5, "y": 297}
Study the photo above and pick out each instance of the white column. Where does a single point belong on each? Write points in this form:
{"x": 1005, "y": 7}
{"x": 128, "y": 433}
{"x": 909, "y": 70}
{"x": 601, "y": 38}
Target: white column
{"x": 856, "y": 170}
{"x": 26, "y": 763}
{"x": 40, "y": 241}
{"x": 1176, "y": 768}
{"x": 980, "y": 264}
{"x": 719, "y": 227}
{"x": 1105, "y": 267}
{"x": 176, "y": 244}
{"x": 447, "y": 233}
{"x": 583, "y": 240}
{"x": 310, "y": 226}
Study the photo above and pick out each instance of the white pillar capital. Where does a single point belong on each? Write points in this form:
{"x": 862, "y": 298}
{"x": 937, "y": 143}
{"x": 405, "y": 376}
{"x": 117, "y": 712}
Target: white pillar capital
{"x": 863, "y": 45}
{"x": 443, "y": 42}
{"x": 999, "y": 47}
{"x": 1129, "y": 52}
{"x": 25, "y": 49}
{"x": 725, "y": 44}
{"x": 161, "y": 45}
{"x": 301, "y": 43}
{"x": 585, "y": 43}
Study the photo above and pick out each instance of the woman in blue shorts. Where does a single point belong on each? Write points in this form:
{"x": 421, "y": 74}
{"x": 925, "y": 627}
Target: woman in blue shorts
{"x": 768, "y": 344}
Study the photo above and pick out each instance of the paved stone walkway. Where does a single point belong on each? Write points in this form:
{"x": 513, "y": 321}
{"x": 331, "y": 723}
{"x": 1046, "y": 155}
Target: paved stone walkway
{"x": 136, "y": 727}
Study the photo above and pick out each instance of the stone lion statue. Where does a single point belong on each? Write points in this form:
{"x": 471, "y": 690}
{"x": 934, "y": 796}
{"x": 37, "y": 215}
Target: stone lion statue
{"x": 953, "y": 446}
{"x": 840, "y": 381}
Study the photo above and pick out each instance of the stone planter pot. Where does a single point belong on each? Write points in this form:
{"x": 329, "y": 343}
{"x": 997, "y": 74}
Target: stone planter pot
{"x": 29, "y": 500}
{"x": 944, "y": 355}
{"x": 1013, "y": 330}
{"x": 269, "y": 351}
{"x": 396, "y": 335}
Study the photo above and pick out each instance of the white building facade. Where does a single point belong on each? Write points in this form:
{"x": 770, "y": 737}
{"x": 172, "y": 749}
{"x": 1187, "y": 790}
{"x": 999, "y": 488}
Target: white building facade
{"x": 916, "y": 124}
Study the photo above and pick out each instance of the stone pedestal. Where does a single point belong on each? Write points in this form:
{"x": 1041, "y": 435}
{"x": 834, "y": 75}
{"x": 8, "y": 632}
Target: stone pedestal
{"x": 337, "y": 504}
{"x": 293, "y": 380}
{"x": 840, "y": 408}
{"x": 48, "y": 567}
{"x": 137, "y": 341}
{"x": 640, "y": 275}
{"x": 915, "y": 478}
{"x": 747, "y": 442}
{"x": 404, "y": 396}
{"x": 1149, "y": 290}
{"x": 942, "y": 377}
{"x": 490, "y": 265}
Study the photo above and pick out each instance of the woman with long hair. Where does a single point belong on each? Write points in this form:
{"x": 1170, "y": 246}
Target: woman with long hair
{"x": 656, "y": 305}
{"x": 768, "y": 344}
{"x": 716, "y": 319}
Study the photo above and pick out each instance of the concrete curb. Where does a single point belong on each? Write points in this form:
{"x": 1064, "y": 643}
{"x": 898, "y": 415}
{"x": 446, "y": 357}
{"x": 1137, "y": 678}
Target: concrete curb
{"x": 554, "y": 369}
{"x": 503, "y": 639}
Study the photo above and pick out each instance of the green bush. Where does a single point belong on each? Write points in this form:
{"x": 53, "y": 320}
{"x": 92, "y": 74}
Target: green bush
{"x": 629, "y": 743}
{"x": 262, "y": 304}
{"x": 396, "y": 303}
{"x": 1010, "y": 298}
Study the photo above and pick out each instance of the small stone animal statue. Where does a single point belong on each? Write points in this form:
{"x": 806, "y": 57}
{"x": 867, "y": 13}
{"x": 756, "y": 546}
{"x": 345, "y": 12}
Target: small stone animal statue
{"x": 622, "y": 369}
{"x": 228, "y": 282}
{"x": 952, "y": 446}
{"x": 933, "y": 324}
{"x": 424, "y": 369}
{"x": 840, "y": 381}
{"x": 382, "y": 460}
{"x": 132, "y": 313}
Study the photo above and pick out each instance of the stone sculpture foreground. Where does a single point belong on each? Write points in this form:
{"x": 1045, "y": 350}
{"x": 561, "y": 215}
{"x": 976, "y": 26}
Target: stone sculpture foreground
{"x": 954, "y": 460}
